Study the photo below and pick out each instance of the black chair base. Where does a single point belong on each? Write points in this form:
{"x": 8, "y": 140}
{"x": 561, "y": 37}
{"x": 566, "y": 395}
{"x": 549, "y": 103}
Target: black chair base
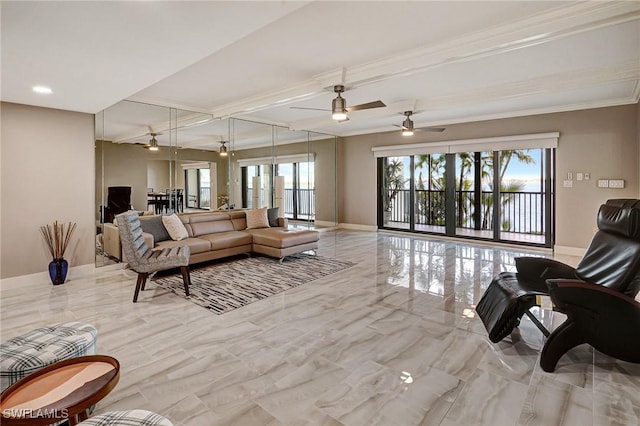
{"x": 144, "y": 276}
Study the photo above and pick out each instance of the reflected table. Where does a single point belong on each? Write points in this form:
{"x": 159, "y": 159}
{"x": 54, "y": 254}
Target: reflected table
{"x": 60, "y": 391}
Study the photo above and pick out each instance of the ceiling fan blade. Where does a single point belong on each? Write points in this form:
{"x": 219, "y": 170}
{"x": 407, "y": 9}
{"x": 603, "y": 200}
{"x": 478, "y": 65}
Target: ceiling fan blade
{"x": 431, "y": 129}
{"x": 315, "y": 109}
{"x": 402, "y": 127}
{"x": 368, "y": 105}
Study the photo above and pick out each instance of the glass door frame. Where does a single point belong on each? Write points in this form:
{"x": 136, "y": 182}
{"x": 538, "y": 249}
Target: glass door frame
{"x": 548, "y": 160}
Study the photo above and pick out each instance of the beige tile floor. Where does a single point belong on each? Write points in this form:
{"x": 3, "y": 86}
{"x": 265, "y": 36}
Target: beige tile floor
{"x": 390, "y": 341}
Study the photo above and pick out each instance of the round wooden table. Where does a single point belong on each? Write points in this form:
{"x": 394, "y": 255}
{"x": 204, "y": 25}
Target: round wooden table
{"x": 60, "y": 391}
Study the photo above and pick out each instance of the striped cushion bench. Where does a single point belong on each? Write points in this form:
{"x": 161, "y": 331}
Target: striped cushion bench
{"x": 25, "y": 354}
{"x": 128, "y": 418}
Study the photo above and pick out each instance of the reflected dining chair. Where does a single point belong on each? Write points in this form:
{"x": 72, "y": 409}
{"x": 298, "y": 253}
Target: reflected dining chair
{"x": 145, "y": 261}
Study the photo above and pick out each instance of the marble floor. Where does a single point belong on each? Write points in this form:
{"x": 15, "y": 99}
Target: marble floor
{"x": 390, "y": 341}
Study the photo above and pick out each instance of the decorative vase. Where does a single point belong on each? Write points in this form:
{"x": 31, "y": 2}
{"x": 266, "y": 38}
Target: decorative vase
{"x": 58, "y": 271}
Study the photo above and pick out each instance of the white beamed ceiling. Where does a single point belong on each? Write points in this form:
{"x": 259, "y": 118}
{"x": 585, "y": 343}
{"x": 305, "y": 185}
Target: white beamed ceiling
{"x": 450, "y": 62}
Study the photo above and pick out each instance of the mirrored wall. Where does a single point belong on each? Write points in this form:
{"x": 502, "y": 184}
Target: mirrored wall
{"x": 160, "y": 160}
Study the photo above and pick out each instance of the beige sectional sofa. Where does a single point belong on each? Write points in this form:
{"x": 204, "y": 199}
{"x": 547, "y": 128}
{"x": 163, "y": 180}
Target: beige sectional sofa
{"x": 214, "y": 235}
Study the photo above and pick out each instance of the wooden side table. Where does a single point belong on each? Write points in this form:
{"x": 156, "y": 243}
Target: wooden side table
{"x": 61, "y": 391}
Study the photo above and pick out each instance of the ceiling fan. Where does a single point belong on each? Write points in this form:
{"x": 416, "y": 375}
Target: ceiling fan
{"x": 408, "y": 129}
{"x": 339, "y": 108}
{"x": 153, "y": 142}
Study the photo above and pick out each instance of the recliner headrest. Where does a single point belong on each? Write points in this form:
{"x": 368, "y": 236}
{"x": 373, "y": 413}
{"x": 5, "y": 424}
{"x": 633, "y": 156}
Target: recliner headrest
{"x": 623, "y": 221}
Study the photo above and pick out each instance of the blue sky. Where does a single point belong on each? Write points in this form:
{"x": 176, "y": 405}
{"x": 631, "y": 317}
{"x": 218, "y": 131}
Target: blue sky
{"x": 529, "y": 174}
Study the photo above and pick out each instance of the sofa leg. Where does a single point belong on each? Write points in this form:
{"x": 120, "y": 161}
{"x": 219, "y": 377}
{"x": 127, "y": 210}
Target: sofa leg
{"x": 186, "y": 278}
{"x": 142, "y": 278}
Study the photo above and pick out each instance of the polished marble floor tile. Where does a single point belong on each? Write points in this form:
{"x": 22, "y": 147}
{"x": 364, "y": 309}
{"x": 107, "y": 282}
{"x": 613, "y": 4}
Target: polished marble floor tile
{"x": 393, "y": 340}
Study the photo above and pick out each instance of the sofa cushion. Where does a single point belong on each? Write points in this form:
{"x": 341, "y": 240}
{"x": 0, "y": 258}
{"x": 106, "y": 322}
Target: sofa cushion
{"x": 196, "y": 245}
{"x": 205, "y": 228}
{"x": 272, "y": 215}
{"x": 153, "y": 225}
{"x": 223, "y": 240}
{"x": 175, "y": 227}
{"x": 257, "y": 218}
{"x": 283, "y": 238}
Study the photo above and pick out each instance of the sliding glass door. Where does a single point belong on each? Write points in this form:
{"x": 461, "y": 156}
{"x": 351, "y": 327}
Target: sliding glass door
{"x": 497, "y": 195}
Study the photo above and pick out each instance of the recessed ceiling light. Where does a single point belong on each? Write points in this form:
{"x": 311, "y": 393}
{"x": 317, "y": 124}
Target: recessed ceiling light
{"x": 42, "y": 89}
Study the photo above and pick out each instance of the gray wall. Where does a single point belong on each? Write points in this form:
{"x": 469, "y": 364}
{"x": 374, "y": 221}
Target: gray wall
{"x": 47, "y": 174}
{"x": 601, "y": 141}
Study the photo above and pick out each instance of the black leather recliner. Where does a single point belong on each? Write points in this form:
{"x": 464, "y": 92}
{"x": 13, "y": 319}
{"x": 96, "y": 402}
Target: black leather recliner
{"x": 597, "y": 296}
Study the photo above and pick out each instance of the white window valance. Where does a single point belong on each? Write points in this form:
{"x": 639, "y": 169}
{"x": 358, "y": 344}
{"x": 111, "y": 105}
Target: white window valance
{"x": 499, "y": 143}
{"x": 280, "y": 159}
{"x": 201, "y": 165}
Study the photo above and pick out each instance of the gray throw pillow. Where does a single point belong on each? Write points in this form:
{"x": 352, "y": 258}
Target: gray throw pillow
{"x": 272, "y": 214}
{"x": 153, "y": 225}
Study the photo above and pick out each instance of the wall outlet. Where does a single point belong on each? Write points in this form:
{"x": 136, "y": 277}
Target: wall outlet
{"x": 587, "y": 176}
{"x": 616, "y": 183}
{"x": 603, "y": 183}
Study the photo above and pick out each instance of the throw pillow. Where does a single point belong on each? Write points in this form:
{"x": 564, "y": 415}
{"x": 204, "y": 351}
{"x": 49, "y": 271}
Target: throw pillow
{"x": 175, "y": 227}
{"x": 272, "y": 214}
{"x": 153, "y": 225}
{"x": 257, "y": 218}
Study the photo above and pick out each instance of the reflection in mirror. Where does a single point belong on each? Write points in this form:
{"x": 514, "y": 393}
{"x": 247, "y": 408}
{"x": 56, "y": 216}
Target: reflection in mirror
{"x": 160, "y": 160}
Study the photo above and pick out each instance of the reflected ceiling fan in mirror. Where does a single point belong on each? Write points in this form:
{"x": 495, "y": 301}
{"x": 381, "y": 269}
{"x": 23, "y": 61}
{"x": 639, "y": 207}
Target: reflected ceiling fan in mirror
{"x": 223, "y": 149}
{"x": 339, "y": 108}
{"x": 408, "y": 129}
{"x": 153, "y": 142}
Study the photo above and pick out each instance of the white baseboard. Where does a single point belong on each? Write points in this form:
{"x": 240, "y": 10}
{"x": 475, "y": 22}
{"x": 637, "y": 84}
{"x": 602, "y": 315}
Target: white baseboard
{"x": 325, "y": 223}
{"x": 75, "y": 272}
{"x": 358, "y": 227}
{"x": 571, "y": 251}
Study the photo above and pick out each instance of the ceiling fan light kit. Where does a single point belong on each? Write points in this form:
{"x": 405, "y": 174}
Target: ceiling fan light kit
{"x": 223, "y": 149}
{"x": 407, "y": 127}
{"x": 339, "y": 105}
{"x": 153, "y": 143}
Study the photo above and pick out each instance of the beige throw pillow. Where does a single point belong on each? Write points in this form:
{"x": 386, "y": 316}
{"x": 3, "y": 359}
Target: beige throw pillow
{"x": 175, "y": 227}
{"x": 257, "y": 218}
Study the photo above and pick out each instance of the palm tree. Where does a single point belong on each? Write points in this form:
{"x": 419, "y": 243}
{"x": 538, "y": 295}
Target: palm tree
{"x": 393, "y": 182}
{"x": 505, "y": 187}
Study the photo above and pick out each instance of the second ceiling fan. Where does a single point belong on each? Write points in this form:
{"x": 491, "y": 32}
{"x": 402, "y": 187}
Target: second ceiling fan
{"x": 408, "y": 129}
{"x": 339, "y": 108}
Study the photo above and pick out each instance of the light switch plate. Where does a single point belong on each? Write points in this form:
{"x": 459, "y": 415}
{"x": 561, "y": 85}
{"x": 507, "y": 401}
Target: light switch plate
{"x": 569, "y": 176}
{"x": 616, "y": 183}
{"x": 579, "y": 176}
{"x": 568, "y": 184}
{"x": 587, "y": 176}
{"x": 603, "y": 183}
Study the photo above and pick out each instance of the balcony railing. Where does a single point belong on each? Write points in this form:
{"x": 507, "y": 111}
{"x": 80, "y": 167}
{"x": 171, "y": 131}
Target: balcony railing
{"x": 520, "y": 212}
{"x": 305, "y": 199}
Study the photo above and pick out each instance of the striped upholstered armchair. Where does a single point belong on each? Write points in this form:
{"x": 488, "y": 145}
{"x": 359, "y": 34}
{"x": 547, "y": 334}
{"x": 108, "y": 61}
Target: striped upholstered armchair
{"x": 143, "y": 260}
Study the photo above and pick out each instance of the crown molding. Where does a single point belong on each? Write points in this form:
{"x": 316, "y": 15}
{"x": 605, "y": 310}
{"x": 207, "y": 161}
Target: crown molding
{"x": 542, "y": 28}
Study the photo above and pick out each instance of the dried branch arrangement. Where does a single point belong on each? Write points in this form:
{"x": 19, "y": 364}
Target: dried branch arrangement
{"x": 57, "y": 237}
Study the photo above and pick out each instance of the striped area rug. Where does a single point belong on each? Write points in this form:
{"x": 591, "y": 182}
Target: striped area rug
{"x": 228, "y": 285}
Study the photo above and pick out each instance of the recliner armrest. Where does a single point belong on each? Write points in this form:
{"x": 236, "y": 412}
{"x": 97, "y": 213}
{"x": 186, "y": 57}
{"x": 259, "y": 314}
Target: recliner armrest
{"x": 537, "y": 270}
